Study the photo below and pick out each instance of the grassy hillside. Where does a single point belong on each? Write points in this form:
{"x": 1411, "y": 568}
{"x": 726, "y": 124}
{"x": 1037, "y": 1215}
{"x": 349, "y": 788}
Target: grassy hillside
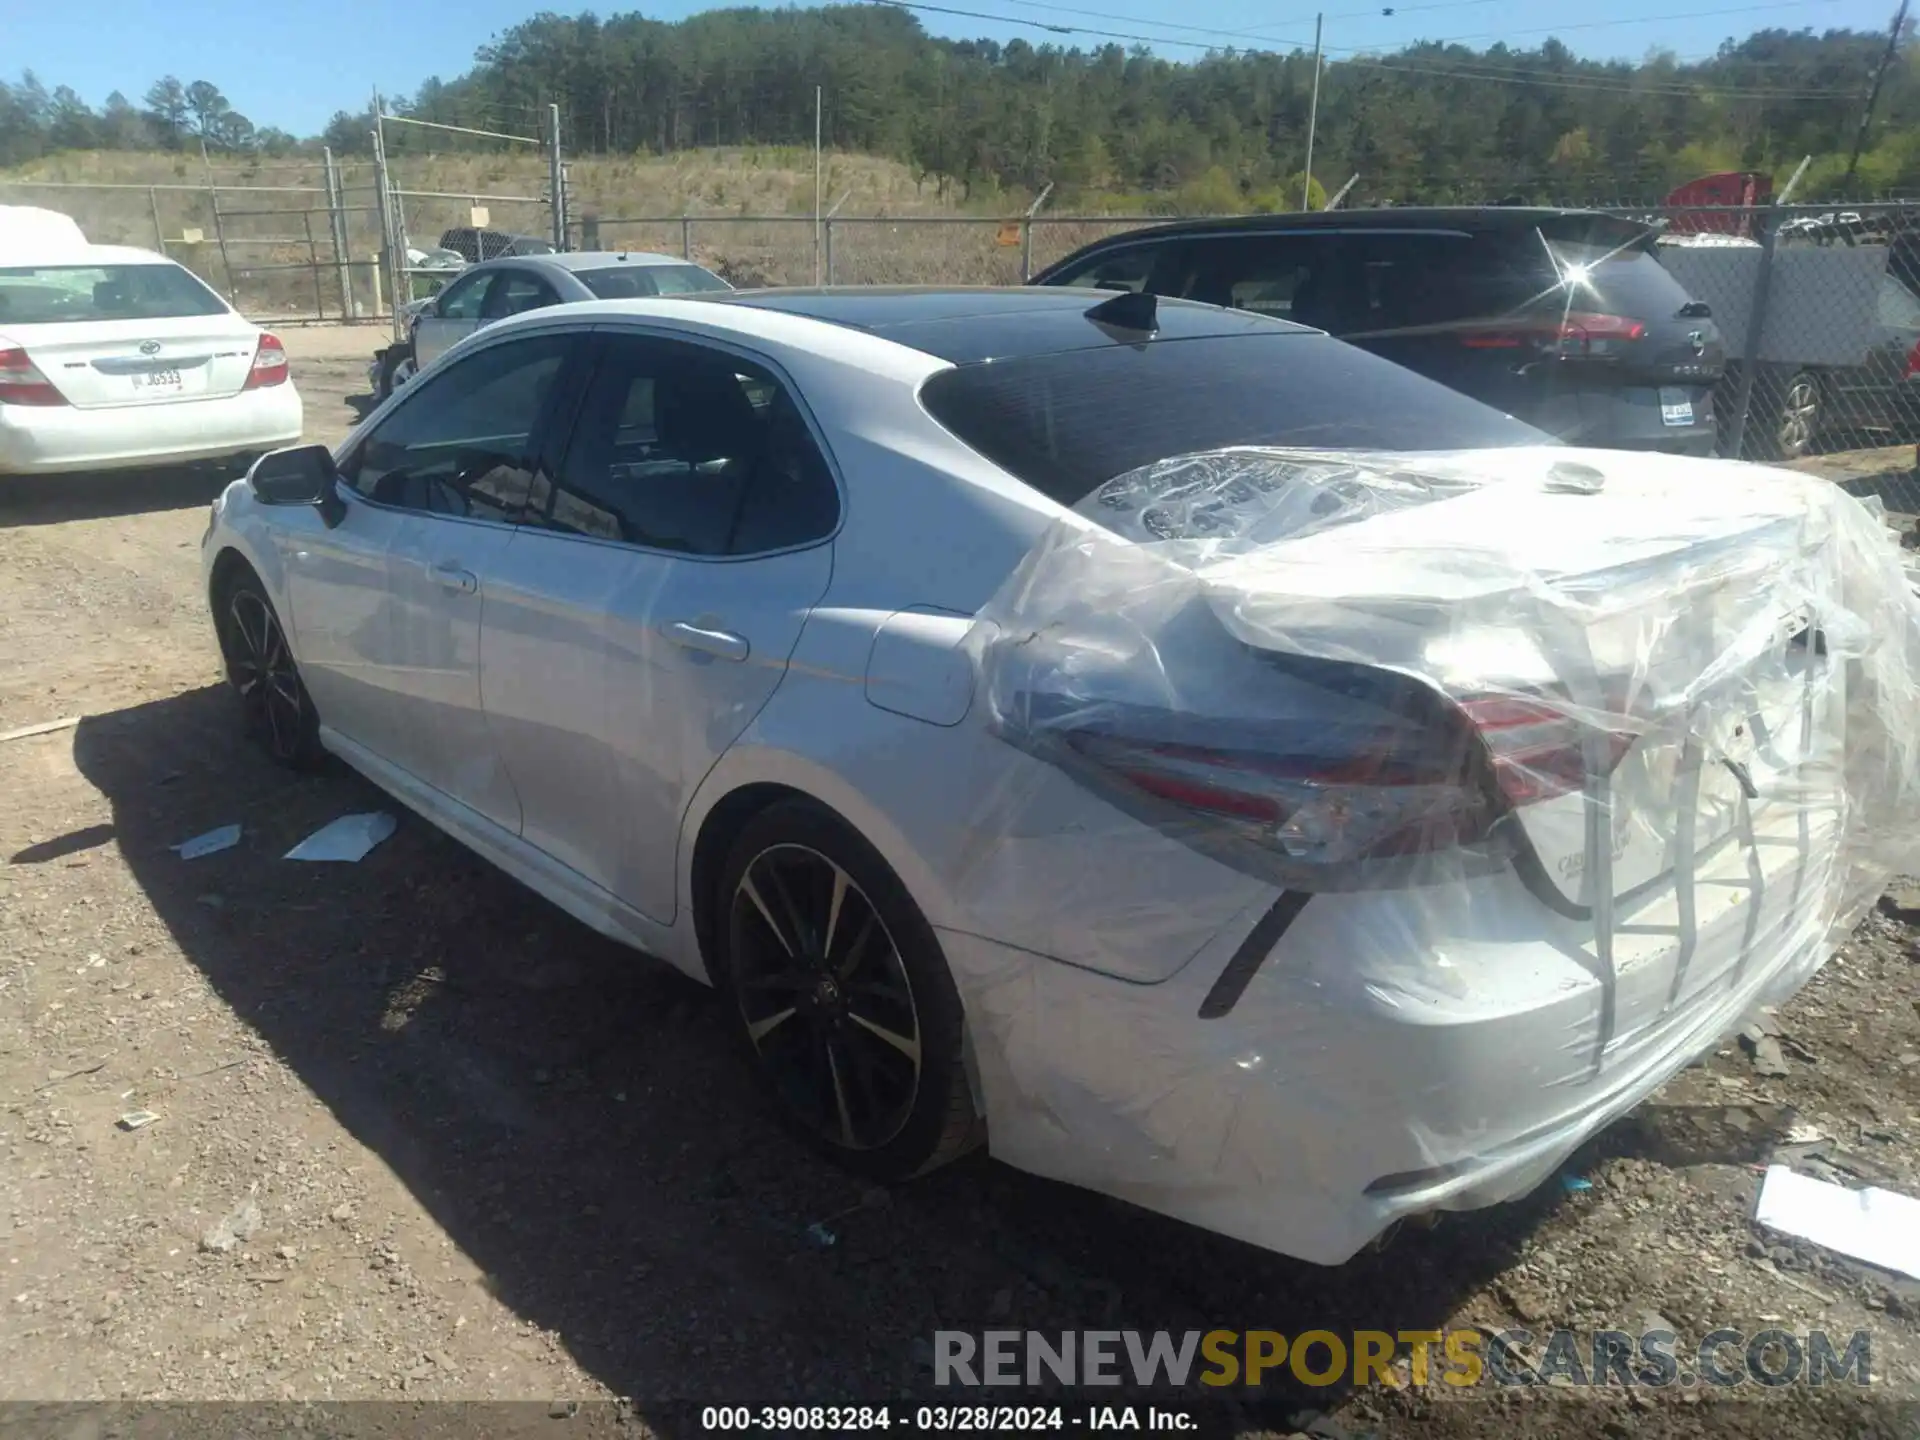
{"x": 267, "y": 209}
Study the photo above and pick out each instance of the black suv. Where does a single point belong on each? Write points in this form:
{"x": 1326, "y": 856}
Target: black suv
{"x": 1562, "y": 318}
{"x": 474, "y": 245}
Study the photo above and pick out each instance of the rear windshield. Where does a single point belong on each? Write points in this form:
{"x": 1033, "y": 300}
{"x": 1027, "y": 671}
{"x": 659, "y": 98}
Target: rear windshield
{"x": 60, "y": 294}
{"x": 633, "y": 282}
{"x": 1628, "y": 281}
{"x": 1067, "y": 423}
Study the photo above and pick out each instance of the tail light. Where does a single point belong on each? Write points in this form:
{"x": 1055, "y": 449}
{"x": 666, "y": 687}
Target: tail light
{"x": 1573, "y": 335}
{"x": 269, "y": 363}
{"x": 1344, "y": 806}
{"x": 1538, "y": 750}
{"x": 21, "y": 382}
{"x": 1912, "y": 367}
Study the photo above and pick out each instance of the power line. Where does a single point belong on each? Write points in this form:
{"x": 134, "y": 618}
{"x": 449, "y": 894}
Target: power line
{"x": 1362, "y": 59}
{"x": 1637, "y": 20}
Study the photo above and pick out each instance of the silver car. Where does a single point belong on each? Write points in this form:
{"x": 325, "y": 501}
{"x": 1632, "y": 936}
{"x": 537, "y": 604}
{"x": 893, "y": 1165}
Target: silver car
{"x": 510, "y": 286}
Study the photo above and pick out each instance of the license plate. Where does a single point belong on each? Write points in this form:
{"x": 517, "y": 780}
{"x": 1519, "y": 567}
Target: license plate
{"x": 1676, "y": 406}
{"x": 159, "y": 382}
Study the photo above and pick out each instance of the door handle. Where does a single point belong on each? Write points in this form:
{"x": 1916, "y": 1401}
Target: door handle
{"x": 723, "y": 643}
{"x": 452, "y": 577}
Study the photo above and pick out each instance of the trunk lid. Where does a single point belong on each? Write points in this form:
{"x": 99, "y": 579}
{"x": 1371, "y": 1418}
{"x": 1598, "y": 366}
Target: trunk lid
{"x": 101, "y": 363}
{"x": 1641, "y": 670}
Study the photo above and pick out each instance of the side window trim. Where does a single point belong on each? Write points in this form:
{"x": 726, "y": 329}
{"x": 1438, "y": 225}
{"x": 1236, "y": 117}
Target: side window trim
{"x": 565, "y": 394}
{"x": 554, "y": 459}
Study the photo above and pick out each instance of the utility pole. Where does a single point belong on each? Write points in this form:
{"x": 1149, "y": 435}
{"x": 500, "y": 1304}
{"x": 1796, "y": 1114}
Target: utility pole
{"x": 1313, "y": 113}
{"x": 556, "y": 179}
{"x": 818, "y": 258}
{"x": 1873, "y": 95}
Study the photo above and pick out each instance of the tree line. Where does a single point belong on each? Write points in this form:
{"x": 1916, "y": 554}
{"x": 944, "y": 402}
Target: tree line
{"x": 1430, "y": 122}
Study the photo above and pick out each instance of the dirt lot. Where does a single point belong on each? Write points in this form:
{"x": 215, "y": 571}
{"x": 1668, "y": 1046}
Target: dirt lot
{"x": 468, "y": 1150}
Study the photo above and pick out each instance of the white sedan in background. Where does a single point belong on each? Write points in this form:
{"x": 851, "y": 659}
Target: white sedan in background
{"x": 823, "y": 644}
{"x": 112, "y": 358}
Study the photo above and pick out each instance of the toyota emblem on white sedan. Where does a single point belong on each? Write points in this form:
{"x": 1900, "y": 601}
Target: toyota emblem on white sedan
{"x": 149, "y": 347}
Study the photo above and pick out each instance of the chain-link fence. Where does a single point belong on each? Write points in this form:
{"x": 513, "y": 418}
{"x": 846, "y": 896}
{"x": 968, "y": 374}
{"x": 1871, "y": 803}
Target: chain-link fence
{"x": 1817, "y": 309}
{"x": 1819, "y": 312}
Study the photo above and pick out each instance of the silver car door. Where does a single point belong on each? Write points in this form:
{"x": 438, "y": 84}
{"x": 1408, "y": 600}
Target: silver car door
{"x": 454, "y": 315}
{"x": 632, "y": 637}
{"x": 443, "y": 478}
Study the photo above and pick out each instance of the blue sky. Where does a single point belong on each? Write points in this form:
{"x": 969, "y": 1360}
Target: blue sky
{"x": 293, "y": 65}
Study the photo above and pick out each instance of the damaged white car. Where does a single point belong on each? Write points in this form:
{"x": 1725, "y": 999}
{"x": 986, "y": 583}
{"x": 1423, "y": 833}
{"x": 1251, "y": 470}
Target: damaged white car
{"x": 1215, "y": 766}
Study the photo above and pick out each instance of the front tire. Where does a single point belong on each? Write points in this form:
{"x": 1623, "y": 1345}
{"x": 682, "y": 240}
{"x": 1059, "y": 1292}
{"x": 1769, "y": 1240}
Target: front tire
{"x": 276, "y": 710}
{"x": 843, "y": 997}
{"x": 396, "y": 368}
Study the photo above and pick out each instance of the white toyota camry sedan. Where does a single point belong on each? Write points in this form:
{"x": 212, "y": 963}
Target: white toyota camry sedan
{"x": 112, "y": 358}
{"x": 1211, "y": 764}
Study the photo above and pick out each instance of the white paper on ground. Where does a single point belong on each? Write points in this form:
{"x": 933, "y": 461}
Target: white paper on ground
{"x": 349, "y": 838}
{"x": 1881, "y": 1227}
{"x": 211, "y": 843}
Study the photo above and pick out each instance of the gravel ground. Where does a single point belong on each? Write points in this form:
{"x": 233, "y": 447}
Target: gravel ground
{"x": 421, "y": 1136}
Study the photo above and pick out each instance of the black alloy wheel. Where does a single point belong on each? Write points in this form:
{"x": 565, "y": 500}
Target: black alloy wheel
{"x": 844, "y": 999}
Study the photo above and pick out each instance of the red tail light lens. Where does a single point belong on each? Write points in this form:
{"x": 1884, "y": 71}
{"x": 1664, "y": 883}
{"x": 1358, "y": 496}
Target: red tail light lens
{"x": 21, "y": 382}
{"x": 269, "y": 363}
{"x": 1576, "y": 334}
{"x": 1314, "y": 809}
{"x": 1912, "y": 367}
{"x": 1538, "y": 751}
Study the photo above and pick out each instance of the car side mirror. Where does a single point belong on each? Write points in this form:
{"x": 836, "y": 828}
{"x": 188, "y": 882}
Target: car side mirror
{"x": 299, "y": 475}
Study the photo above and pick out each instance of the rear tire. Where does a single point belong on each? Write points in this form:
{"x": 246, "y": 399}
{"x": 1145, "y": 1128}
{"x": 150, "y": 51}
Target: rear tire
{"x": 276, "y": 710}
{"x": 844, "y": 1000}
{"x": 1795, "y": 423}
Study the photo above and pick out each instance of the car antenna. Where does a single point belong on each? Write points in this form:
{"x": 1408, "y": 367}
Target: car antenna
{"x": 1129, "y": 310}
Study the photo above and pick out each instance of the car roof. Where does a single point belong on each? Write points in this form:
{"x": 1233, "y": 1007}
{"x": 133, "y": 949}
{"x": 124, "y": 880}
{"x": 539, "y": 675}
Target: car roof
{"x": 590, "y": 259}
{"x": 970, "y": 325}
{"x": 1471, "y": 219}
{"x": 43, "y": 255}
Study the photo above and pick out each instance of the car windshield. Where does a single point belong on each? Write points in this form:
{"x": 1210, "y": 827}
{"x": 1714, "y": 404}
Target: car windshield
{"x": 632, "y": 282}
{"x": 1067, "y": 423}
{"x": 62, "y": 294}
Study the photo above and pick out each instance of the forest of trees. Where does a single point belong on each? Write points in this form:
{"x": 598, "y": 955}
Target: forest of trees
{"x": 1226, "y": 131}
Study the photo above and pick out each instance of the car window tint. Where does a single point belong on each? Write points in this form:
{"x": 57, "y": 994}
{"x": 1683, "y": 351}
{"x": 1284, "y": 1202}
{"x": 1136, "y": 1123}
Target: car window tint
{"x": 671, "y": 451}
{"x": 1280, "y": 275}
{"x": 462, "y": 299}
{"x": 1068, "y": 422}
{"x": 1115, "y": 270}
{"x": 459, "y": 445}
{"x": 515, "y": 291}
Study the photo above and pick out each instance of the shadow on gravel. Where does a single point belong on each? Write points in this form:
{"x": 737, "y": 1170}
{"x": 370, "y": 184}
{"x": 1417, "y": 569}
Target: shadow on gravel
{"x": 56, "y": 499}
{"x": 578, "y": 1121}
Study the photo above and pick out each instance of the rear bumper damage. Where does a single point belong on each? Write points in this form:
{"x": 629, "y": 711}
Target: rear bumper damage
{"x": 1439, "y": 1037}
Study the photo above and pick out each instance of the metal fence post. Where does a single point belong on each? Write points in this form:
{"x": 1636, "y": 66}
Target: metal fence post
{"x": 556, "y": 179}
{"x": 828, "y": 223}
{"x": 220, "y": 238}
{"x": 386, "y": 260}
{"x": 159, "y": 231}
{"x": 686, "y": 237}
{"x": 337, "y": 227}
{"x": 1756, "y": 323}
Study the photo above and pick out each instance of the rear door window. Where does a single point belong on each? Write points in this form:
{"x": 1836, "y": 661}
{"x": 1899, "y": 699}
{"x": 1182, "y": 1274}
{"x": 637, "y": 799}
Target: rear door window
{"x": 1286, "y": 276}
{"x": 681, "y": 448}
